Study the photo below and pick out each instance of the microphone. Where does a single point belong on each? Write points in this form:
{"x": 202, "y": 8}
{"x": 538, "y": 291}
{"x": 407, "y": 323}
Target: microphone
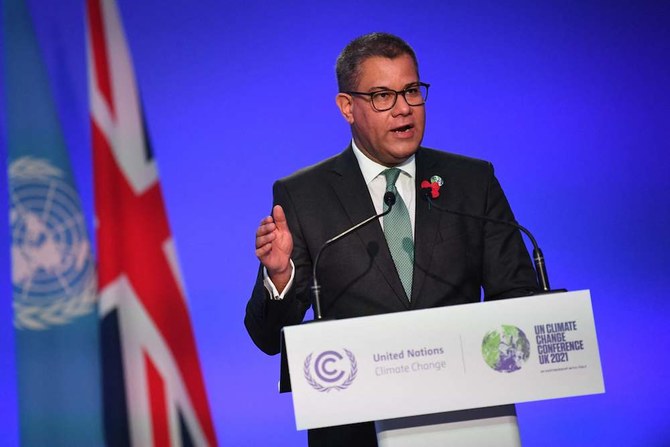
{"x": 389, "y": 200}
{"x": 538, "y": 257}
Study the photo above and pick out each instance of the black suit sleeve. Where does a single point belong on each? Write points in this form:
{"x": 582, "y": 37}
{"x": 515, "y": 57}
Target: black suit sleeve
{"x": 507, "y": 269}
{"x": 264, "y": 317}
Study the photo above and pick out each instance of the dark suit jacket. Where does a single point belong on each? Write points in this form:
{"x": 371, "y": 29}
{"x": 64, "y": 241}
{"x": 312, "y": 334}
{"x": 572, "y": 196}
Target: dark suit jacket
{"x": 454, "y": 256}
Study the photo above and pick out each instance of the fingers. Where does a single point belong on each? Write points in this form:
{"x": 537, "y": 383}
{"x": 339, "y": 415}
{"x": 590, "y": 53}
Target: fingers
{"x": 263, "y": 250}
{"x": 265, "y": 234}
{"x": 266, "y": 229}
{"x": 277, "y": 219}
{"x": 273, "y": 240}
{"x": 264, "y": 239}
{"x": 266, "y": 226}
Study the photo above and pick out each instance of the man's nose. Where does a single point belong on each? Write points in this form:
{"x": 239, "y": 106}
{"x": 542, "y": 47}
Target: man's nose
{"x": 401, "y": 106}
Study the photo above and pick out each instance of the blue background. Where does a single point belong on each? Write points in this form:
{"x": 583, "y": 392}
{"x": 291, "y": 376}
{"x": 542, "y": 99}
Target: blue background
{"x": 568, "y": 99}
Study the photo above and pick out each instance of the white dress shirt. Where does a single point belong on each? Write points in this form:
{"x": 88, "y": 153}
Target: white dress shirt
{"x": 372, "y": 173}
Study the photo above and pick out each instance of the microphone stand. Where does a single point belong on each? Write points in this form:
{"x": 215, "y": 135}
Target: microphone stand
{"x": 538, "y": 256}
{"x": 389, "y": 200}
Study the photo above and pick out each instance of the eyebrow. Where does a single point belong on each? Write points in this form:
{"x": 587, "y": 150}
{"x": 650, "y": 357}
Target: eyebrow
{"x": 380, "y": 88}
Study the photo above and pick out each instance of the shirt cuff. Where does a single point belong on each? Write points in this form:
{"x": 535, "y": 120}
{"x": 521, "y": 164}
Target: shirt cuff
{"x": 270, "y": 287}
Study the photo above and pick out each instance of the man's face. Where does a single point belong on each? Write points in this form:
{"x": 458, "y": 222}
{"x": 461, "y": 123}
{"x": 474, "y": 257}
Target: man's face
{"x": 392, "y": 136}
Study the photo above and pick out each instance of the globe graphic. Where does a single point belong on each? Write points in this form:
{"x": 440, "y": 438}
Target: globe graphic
{"x": 506, "y": 349}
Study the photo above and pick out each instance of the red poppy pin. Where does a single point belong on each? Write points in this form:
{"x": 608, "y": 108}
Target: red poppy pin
{"x": 433, "y": 185}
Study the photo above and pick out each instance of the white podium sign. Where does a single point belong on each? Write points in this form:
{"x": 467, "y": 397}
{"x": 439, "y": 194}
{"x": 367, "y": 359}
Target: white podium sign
{"x": 443, "y": 359}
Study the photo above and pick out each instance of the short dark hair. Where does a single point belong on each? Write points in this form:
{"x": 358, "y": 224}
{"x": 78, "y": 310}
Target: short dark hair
{"x": 348, "y": 66}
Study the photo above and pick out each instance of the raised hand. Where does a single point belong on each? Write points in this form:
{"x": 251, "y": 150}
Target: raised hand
{"x": 274, "y": 244}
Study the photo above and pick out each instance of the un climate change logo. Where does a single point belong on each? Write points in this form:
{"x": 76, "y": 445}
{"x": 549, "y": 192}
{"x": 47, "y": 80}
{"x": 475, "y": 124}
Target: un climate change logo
{"x": 52, "y": 269}
{"x": 331, "y": 370}
{"x": 505, "y": 349}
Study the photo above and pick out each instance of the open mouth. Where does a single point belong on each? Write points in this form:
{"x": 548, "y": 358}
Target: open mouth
{"x": 403, "y": 129}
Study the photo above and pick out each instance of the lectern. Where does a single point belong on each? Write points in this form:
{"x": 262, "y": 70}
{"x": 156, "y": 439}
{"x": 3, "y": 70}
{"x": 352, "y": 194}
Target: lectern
{"x": 444, "y": 375}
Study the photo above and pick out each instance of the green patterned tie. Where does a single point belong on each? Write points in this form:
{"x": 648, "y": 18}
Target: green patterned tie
{"x": 398, "y": 232}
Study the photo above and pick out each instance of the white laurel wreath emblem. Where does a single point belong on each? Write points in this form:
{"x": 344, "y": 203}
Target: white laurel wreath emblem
{"x": 52, "y": 268}
{"x": 317, "y": 386}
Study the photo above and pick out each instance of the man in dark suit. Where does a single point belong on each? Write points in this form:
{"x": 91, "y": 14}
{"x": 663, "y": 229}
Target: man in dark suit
{"x": 445, "y": 260}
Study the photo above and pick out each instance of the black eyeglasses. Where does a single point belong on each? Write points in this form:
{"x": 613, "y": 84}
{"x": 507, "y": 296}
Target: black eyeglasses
{"x": 383, "y": 100}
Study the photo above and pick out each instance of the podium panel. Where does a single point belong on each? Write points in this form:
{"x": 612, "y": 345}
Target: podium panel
{"x": 444, "y": 359}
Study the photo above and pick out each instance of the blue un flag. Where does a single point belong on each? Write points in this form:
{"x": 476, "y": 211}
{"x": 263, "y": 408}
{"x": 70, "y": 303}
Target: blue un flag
{"x": 53, "y": 274}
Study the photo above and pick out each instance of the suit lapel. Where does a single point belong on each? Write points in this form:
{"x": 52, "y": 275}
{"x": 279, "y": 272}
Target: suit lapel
{"x": 426, "y": 223}
{"x": 350, "y": 188}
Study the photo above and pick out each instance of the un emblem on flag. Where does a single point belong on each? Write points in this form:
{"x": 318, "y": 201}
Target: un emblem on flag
{"x": 52, "y": 270}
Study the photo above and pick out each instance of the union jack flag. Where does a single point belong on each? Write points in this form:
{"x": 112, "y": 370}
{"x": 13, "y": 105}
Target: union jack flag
{"x": 154, "y": 391}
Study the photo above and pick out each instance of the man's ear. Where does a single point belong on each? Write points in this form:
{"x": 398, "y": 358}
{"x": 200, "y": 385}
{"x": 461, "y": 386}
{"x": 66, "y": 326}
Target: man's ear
{"x": 346, "y": 105}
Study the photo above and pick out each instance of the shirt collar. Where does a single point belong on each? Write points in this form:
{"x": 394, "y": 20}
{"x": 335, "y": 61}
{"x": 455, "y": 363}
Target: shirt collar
{"x": 371, "y": 169}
